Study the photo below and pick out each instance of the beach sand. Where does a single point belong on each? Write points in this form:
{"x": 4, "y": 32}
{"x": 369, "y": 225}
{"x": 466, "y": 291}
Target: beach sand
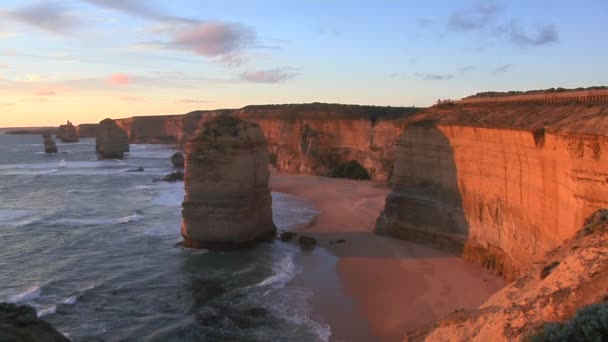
{"x": 374, "y": 288}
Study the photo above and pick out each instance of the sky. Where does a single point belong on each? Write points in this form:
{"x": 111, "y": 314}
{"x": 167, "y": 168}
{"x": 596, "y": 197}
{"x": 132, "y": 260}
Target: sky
{"x": 86, "y": 60}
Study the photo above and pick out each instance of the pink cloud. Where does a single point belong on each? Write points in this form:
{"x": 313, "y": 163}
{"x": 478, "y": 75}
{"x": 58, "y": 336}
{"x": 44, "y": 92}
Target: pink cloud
{"x": 45, "y": 92}
{"x": 213, "y": 39}
{"x": 4, "y": 66}
{"x": 119, "y": 79}
{"x": 51, "y": 91}
{"x": 192, "y": 101}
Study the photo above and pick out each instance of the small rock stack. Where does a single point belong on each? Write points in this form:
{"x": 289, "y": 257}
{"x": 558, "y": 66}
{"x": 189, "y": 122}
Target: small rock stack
{"x": 49, "y": 144}
{"x": 227, "y": 201}
{"x": 112, "y": 141}
{"x": 177, "y": 159}
{"x": 67, "y": 133}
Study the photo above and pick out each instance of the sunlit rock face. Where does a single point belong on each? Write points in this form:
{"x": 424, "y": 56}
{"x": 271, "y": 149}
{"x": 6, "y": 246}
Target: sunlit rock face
{"x": 227, "y": 200}
{"x": 67, "y": 133}
{"x": 502, "y": 184}
{"x": 49, "y": 144}
{"x": 112, "y": 141}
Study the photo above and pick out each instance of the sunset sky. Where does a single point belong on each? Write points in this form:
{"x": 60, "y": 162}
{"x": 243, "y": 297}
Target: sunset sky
{"x": 85, "y": 60}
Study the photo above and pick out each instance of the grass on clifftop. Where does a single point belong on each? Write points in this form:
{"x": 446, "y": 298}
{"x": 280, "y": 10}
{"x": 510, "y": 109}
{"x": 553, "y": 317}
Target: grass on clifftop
{"x": 589, "y": 324}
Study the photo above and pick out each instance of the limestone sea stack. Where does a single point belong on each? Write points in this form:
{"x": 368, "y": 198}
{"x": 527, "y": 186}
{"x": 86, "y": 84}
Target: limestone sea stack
{"x": 112, "y": 141}
{"x": 177, "y": 159}
{"x": 49, "y": 144}
{"x": 67, "y": 133}
{"x": 227, "y": 200}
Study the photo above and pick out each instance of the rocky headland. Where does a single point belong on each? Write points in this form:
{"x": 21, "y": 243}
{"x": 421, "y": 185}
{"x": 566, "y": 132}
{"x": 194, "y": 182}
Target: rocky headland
{"x": 67, "y": 133}
{"x": 111, "y": 140}
{"x": 227, "y": 201}
{"x": 19, "y": 323}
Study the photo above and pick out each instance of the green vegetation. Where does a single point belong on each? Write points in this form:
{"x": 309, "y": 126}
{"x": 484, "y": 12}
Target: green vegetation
{"x": 530, "y": 92}
{"x": 589, "y": 324}
{"x": 350, "y": 170}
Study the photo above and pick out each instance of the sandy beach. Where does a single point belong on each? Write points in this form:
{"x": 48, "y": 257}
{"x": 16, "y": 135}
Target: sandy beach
{"x": 373, "y": 288}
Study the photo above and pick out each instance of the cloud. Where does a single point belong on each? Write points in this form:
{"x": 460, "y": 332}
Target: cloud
{"x": 547, "y": 34}
{"x": 435, "y": 77}
{"x": 424, "y": 22}
{"x": 4, "y": 66}
{"x": 138, "y": 8}
{"x": 267, "y": 76}
{"x": 45, "y": 93}
{"x": 467, "y": 68}
{"x": 119, "y": 79}
{"x": 53, "y": 17}
{"x": 191, "y": 101}
{"x": 9, "y": 104}
{"x": 132, "y": 98}
{"x": 503, "y": 68}
{"x": 211, "y": 39}
{"x": 476, "y": 17}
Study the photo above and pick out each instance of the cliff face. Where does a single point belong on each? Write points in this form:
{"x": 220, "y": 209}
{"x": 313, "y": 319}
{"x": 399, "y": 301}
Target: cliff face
{"x": 503, "y": 194}
{"x": 227, "y": 199}
{"x": 302, "y": 139}
{"x": 87, "y": 130}
{"x": 572, "y": 276}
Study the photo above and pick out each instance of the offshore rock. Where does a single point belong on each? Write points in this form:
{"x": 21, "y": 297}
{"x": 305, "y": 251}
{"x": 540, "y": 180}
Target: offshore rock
{"x": 20, "y": 323}
{"x": 177, "y": 159}
{"x": 112, "y": 141}
{"x": 227, "y": 201}
{"x": 67, "y": 133}
{"x": 49, "y": 144}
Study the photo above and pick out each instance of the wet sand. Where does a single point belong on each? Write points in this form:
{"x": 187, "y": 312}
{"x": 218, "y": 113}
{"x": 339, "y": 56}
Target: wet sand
{"x": 384, "y": 287}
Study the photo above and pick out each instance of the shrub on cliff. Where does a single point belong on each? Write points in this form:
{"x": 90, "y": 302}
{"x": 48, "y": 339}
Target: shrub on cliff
{"x": 351, "y": 170}
{"x": 589, "y": 324}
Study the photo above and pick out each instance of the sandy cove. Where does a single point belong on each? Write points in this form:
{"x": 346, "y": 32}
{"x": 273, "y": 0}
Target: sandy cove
{"x": 394, "y": 286}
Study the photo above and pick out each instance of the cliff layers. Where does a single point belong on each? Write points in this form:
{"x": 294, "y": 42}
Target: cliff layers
{"x": 111, "y": 140}
{"x": 503, "y": 184}
{"x": 227, "y": 199}
{"x": 310, "y": 139}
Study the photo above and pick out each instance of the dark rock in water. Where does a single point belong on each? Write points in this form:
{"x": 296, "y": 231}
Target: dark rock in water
{"x": 177, "y": 159}
{"x": 67, "y": 133}
{"x": 139, "y": 169}
{"x": 206, "y": 290}
{"x": 307, "y": 241}
{"x": 49, "y": 144}
{"x": 287, "y": 236}
{"x": 111, "y": 141}
{"x": 21, "y": 323}
{"x": 173, "y": 177}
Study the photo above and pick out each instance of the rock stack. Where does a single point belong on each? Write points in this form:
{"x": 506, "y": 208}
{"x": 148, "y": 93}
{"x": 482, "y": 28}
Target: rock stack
{"x": 177, "y": 159}
{"x": 49, "y": 144}
{"x": 112, "y": 141}
{"x": 67, "y": 133}
{"x": 227, "y": 201}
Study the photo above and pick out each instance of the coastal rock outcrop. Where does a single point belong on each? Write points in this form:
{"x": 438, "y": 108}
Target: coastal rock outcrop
{"x": 177, "y": 159}
{"x": 87, "y": 130}
{"x": 227, "y": 200}
{"x": 21, "y": 323}
{"x": 502, "y": 184}
{"x": 571, "y": 277}
{"x": 67, "y": 133}
{"x": 49, "y": 144}
{"x": 111, "y": 141}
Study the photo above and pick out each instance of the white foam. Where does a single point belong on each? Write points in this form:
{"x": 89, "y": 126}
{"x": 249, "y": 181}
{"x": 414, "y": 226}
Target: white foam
{"x": 170, "y": 194}
{"x": 70, "y": 300}
{"x": 7, "y": 215}
{"x": 26, "y": 296}
{"x": 129, "y": 219}
{"x": 47, "y": 310}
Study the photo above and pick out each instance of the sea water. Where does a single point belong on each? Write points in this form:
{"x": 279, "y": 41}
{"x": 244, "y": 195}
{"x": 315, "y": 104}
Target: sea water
{"x": 92, "y": 247}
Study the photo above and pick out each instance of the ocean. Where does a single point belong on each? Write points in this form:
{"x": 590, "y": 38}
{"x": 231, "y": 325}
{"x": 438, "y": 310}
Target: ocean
{"x": 92, "y": 247}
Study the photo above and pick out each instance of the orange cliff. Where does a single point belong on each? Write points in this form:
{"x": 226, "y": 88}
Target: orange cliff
{"x": 307, "y": 139}
{"x": 501, "y": 183}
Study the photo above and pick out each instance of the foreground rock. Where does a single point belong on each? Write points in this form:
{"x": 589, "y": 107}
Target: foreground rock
{"x": 177, "y": 159}
{"x": 173, "y": 177}
{"x": 49, "y": 144}
{"x": 111, "y": 141}
{"x": 20, "y": 323}
{"x": 227, "y": 201}
{"x": 67, "y": 133}
{"x": 571, "y": 277}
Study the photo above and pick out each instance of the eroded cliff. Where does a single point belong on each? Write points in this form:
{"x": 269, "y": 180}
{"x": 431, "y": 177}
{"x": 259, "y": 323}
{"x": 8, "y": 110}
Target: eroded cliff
{"x": 303, "y": 138}
{"x": 503, "y": 184}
